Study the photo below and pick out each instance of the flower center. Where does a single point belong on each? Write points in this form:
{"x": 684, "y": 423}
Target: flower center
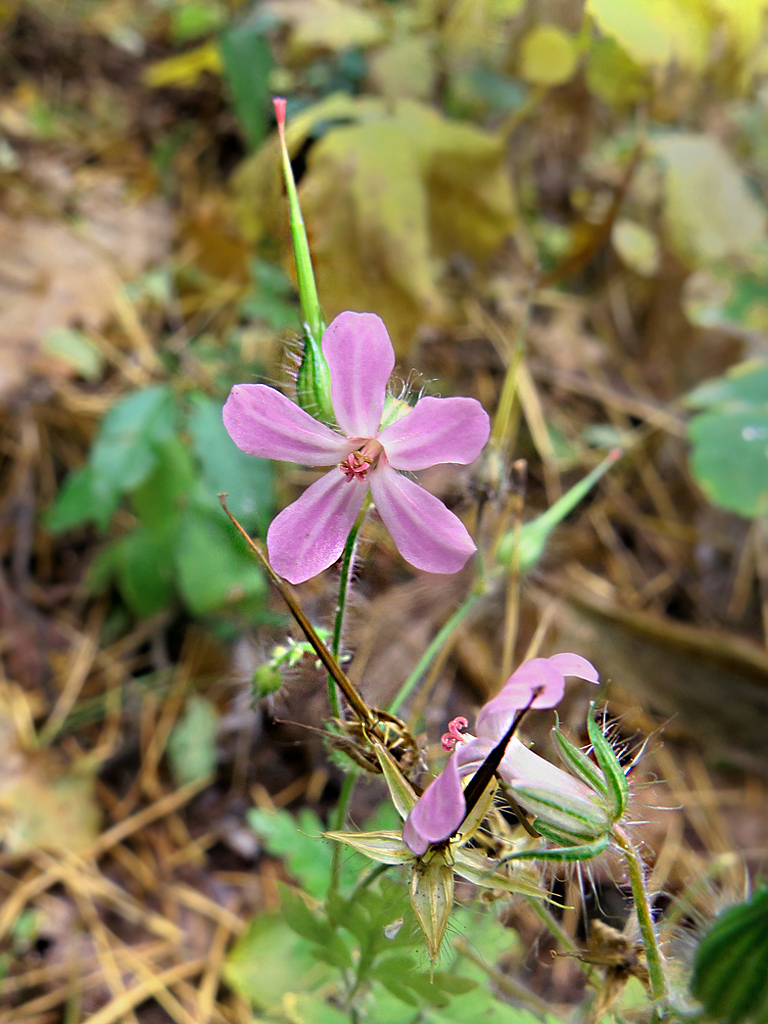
{"x": 454, "y": 736}
{"x": 356, "y": 465}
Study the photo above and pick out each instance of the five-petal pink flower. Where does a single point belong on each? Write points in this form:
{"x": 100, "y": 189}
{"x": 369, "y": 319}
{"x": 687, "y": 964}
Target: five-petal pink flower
{"x": 310, "y": 534}
{"x": 440, "y": 810}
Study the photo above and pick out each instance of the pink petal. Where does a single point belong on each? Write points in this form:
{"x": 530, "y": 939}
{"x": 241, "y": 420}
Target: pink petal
{"x": 426, "y": 534}
{"x": 575, "y": 665}
{"x": 516, "y": 692}
{"x": 437, "y": 813}
{"x": 310, "y": 534}
{"x": 437, "y": 430}
{"x": 521, "y": 767}
{"x": 263, "y": 422}
{"x": 361, "y": 359}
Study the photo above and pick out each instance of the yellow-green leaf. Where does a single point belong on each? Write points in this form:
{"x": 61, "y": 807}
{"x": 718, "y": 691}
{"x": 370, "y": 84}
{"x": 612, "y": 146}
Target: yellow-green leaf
{"x": 327, "y": 24}
{"x": 657, "y": 32}
{"x": 186, "y": 68}
{"x": 548, "y": 56}
{"x": 637, "y": 247}
{"x": 710, "y": 212}
{"x": 389, "y": 192}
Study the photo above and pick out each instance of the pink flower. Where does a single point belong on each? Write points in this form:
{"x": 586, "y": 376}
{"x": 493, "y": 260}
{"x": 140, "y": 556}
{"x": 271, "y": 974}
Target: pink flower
{"x": 310, "y": 534}
{"x": 441, "y": 809}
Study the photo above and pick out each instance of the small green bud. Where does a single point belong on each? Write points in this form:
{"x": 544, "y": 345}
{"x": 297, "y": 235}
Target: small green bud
{"x": 267, "y": 679}
{"x": 313, "y": 385}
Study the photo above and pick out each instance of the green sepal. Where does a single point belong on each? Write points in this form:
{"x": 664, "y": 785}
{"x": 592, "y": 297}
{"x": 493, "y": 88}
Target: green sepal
{"x": 478, "y": 869}
{"x": 400, "y": 790}
{"x": 475, "y": 818}
{"x": 432, "y": 898}
{"x": 578, "y": 762}
{"x": 386, "y": 847}
{"x": 569, "y": 817}
{"x": 313, "y": 384}
{"x": 583, "y": 851}
{"x": 610, "y": 766}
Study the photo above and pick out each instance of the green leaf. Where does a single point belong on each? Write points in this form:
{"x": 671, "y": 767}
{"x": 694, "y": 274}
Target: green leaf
{"x": 142, "y": 567}
{"x": 743, "y": 386}
{"x": 298, "y": 842}
{"x": 270, "y": 960}
{"x": 159, "y": 498}
{"x": 332, "y": 949}
{"x": 192, "y": 743}
{"x": 710, "y": 211}
{"x": 247, "y": 65}
{"x": 125, "y": 450}
{"x": 248, "y": 481}
{"x": 548, "y": 56}
{"x": 729, "y": 975}
{"x": 730, "y": 459}
{"x": 77, "y": 503}
{"x": 215, "y": 569}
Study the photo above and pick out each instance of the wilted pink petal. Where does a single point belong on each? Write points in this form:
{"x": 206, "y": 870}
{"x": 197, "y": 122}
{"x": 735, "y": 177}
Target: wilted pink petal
{"x": 361, "y": 358}
{"x": 437, "y": 813}
{"x": 263, "y": 422}
{"x": 426, "y": 534}
{"x": 437, "y": 430}
{"x": 310, "y": 534}
{"x": 575, "y": 665}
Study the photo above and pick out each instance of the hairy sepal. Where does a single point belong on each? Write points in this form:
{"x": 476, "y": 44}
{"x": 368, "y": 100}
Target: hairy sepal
{"x": 400, "y": 790}
{"x": 579, "y": 764}
{"x": 576, "y": 818}
{"x": 478, "y": 869}
{"x": 565, "y": 854}
{"x": 432, "y": 898}
{"x": 384, "y": 846}
{"x": 614, "y": 774}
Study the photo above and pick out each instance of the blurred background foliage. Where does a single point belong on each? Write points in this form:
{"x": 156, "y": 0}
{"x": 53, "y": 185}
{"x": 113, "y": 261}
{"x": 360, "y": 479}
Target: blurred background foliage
{"x": 589, "y": 177}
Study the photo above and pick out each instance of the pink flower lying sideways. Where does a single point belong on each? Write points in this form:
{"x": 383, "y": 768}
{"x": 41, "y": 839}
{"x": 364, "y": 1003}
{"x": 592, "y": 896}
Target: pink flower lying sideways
{"x": 440, "y": 810}
{"x": 310, "y": 534}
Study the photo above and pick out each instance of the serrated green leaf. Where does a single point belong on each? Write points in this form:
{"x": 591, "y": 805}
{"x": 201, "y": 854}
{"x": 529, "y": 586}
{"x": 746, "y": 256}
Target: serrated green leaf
{"x": 270, "y": 960}
{"x": 248, "y": 481}
{"x": 125, "y": 450}
{"x": 215, "y": 569}
{"x": 315, "y": 929}
{"x": 298, "y": 842}
{"x": 77, "y": 503}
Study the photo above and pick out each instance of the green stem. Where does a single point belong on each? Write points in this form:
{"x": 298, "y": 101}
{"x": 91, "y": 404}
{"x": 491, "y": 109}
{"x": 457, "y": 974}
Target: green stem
{"x": 347, "y": 568}
{"x": 653, "y": 954}
{"x": 431, "y": 652}
{"x": 337, "y": 824}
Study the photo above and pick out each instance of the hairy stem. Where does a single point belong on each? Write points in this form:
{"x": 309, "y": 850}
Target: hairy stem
{"x": 347, "y": 568}
{"x": 653, "y": 954}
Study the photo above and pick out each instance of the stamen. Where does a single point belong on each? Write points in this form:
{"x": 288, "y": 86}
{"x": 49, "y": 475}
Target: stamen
{"x": 355, "y": 466}
{"x": 453, "y": 736}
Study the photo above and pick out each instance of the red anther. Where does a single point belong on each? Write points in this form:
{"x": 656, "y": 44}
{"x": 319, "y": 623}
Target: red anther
{"x": 454, "y": 736}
